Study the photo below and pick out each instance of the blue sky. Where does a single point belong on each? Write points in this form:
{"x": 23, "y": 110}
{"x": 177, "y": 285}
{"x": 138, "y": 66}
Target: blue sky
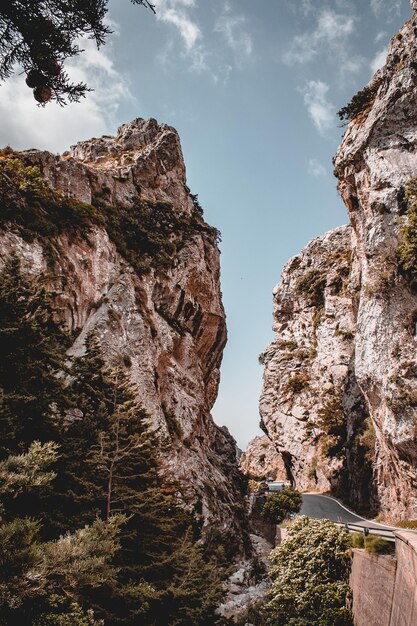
{"x": 253, "y": 89}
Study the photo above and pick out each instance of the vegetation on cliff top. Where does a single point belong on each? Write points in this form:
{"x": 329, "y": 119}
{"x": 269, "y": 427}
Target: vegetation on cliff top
{"x": 147, "y": 234}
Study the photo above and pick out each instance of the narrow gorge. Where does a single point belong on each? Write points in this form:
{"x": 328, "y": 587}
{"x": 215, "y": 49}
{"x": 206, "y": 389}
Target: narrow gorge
{"x": 122, "y": 501}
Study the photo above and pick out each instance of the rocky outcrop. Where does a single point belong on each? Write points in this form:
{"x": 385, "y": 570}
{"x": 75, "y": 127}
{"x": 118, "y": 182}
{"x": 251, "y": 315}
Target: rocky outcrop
{"x": 311, "y": 405}
{"x": 164, "y": 322}
{"x": 374, "y": 165}
{"x": 261, "y": 461}
{"x": 340, "y": 387}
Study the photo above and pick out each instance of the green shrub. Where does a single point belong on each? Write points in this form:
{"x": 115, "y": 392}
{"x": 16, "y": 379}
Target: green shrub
{"x": 297, "y": 383}
{"x": 358, "y": 540}
{"x": 309, "y": 576}
{"x": 410, "y": 523}
{"x": 290, "y": 345}
{"x": 407, "y": 252}
{"x": 359, "y": 103}
{"x": 281, "y": 505}
{"x": 311, "y": 286}
{"x": 377, "y": 545}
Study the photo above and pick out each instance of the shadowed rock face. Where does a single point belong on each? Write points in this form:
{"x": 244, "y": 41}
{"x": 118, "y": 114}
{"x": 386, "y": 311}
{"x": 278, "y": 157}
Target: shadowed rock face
{"x": 344, "y": 414}
{"x": 166, "y": 325}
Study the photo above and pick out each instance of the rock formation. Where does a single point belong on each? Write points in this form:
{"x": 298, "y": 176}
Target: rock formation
{"x": 340, "y": 386}
{"x": 156, "y": 310}
{"x": 261, "y": 461}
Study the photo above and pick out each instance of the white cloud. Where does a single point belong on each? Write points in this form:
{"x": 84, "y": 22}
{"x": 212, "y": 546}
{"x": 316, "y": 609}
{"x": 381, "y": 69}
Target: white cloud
{"x": 381, "y": 35}
{"x": 316, "y": 169}
{"x": 232, "y": 27}
{"x": 379, "y": 60}
{"x": 386, "y": 7}
{"x": 331, "y": 32}
{"x": 319, "y": 108}
{"x": 331, "y": 36}
{"x": 177, "y": 13}
{"x": 306, "y": 6}
{"x": 52, "y": 127}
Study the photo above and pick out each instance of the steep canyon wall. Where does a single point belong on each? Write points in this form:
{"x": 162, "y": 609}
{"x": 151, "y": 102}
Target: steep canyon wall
{"x": 146, "y": 280}
{"x": 339, "y": 401}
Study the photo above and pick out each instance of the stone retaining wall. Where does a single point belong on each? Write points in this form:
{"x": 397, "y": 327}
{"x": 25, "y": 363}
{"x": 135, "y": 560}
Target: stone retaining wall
{"x": 385, "y": 587}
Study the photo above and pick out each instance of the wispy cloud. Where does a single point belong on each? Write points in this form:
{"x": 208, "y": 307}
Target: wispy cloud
{"x": 318, "y": 106}
{"x": 233, "y": 29}
{"x": 389, "y": 8}
{"x": 178, "y": 13}
{"x": 381, "y": 35}
{"x": 379, "y": 60}
{"x": 53, "y": 127}
{"x": 330, "y": 36}
{"x": 316, "y": 169}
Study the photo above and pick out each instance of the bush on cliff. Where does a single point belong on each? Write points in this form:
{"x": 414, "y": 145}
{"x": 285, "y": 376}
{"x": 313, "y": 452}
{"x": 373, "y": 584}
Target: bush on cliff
{"x": 147, "y": 234}
{"x": 310, "y": 577}
{"x": 377, "y": 545}
{"x": 281, "y": 505}
{"x": 407, "y": 253}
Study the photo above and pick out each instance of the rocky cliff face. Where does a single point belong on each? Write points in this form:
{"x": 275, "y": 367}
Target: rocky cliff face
{"x": 340, "y": 390}
{"x": 311, "y": 405}
{"x": 261, "y": 460}
{"x": 161, "y": 317}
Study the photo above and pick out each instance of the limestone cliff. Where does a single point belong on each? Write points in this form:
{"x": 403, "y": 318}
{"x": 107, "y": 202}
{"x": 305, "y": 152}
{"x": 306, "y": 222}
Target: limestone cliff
{"x": 141, "y": 269}
{"x": 311, "y": 405}
{"x": 340, "y": 385}
{"x": 260, "y": 460}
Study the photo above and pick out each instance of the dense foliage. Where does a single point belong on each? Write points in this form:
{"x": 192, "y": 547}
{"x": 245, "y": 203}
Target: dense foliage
{"x": 310, "y": 576}
{"x": 147, "y": 234}
{"x": 281, "y": 505}
{"x": 88, "y": 531}
{"x": 40, "y": 35}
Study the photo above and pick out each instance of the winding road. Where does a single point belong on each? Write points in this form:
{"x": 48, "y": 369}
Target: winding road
{"x": 319, "y": 506}
{"x": 324, "y": 507}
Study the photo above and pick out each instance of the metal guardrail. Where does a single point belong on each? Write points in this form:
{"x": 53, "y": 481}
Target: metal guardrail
{"x": 384, "y": 533}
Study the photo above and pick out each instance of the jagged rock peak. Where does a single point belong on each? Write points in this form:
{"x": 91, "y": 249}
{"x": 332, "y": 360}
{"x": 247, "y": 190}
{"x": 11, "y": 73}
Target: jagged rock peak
{"x": 261, "y": 460}
{"x": 143, "y": 160}
{"x": 133, "y": 139}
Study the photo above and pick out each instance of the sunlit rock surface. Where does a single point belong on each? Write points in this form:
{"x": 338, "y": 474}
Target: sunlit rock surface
{"x": 340, "y": 385}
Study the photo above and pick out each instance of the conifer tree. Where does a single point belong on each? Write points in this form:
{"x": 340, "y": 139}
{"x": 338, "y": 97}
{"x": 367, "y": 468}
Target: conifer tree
{"x": 33, "y": 353}
{"x": 41, "y": 35}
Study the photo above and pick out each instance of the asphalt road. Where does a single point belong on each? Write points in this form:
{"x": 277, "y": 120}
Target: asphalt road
{"x": 325, "y": 507}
